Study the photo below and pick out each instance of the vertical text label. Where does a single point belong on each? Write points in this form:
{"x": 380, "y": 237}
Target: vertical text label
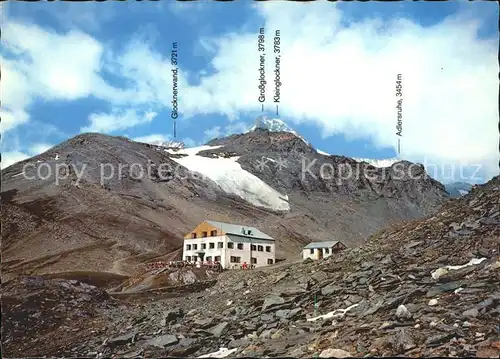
{"x": 277, "y": 66}
{"x": 175, "y": 79}
{"x": 399, "y": 106}
{"x": 262, "y": 68}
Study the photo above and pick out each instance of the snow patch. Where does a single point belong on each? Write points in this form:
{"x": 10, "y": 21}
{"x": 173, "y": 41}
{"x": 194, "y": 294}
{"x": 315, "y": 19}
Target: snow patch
{"x": 444, "y": 270}
{"x": 323, "y": 153}
{"x": 337, "y": 313}
{"x": 379, "y": 163}
{"x": 463, "y": 192}
{"x": 231, "y": 178}
{"x": 221, "y": 353}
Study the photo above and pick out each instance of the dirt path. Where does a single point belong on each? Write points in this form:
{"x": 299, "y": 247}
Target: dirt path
{"x": 129, "y": 265}
{"x": 119, "y": 266}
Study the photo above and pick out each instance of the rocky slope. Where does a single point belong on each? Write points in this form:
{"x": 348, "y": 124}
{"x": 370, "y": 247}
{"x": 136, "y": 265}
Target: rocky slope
{"x": 290, "y": 165}
{"x": 102, "y": 203}
{"x": 428, "y": 287}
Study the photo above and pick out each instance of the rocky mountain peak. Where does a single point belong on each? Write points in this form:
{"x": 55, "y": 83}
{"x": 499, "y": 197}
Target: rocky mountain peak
{"x": 273, "y": 124}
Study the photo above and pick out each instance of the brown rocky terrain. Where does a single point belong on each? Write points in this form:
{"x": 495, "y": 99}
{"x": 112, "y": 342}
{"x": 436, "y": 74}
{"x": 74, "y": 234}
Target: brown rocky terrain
{"x": 427, "y": 287}
{"x": 79, "y": 223}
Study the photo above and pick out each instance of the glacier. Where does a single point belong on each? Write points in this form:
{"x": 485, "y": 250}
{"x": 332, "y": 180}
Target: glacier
{"x": 228, "y": 174}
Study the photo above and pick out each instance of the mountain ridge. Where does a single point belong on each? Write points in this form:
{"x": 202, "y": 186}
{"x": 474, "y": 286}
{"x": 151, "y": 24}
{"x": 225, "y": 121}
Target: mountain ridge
{"x": 80, "y": 219}
{"x": 274, "y": 124}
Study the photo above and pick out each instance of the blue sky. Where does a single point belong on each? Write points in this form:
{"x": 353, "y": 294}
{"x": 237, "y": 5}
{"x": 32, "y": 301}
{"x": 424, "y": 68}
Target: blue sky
{"x": 105, "y": 67}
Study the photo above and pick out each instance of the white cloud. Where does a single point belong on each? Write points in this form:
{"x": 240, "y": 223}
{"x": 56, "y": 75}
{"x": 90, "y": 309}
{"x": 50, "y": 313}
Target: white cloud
{"x": 15, "y": 86}
{"x": 12, "y": 119}
{"x": 38, "y": 148}
{"x": 189, "y": 142}
{"x": 16, "y": 96}
{"x": 18, "y": 154}
{"x": 338, "y": 76}
{"x": 342, "y": 78}
{"x": 11, "y": 157}
{"x": 148, "y": 71}
{"x": 231, "y": 129}
{"x": 156, "y": 137}
{"x": 69, "y": 70}
{"x": 214, "y": 132}
{"x": 117, "y": 120}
